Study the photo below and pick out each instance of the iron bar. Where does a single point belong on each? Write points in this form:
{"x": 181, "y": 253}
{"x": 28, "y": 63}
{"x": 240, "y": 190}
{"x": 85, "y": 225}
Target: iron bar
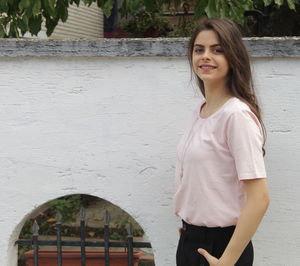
{"x": 35, "y": 236}
{"x": 76, "y": 243}
{"x": 58, "y": 238}
{"x": 82, "y": 236}
{"x": 106, "y": 238}
{"x": 130, "y": 246}
{"x": 82, "y": 243}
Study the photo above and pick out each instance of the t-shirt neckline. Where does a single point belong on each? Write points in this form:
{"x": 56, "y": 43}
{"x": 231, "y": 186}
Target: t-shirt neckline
{"x": 216, "y": 112}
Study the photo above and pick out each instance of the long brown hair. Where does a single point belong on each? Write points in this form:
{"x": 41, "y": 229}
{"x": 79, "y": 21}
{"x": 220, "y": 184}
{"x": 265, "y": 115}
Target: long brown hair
{"x": 240, "y": 83}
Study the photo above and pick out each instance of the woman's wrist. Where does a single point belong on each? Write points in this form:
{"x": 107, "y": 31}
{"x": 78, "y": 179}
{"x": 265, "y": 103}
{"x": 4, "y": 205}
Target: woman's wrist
{"x": 225, "y": 261}
{"x": 228, "y": 258}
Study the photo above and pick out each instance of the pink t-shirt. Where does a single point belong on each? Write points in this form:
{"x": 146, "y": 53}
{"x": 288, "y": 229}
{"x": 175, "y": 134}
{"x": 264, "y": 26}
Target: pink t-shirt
{"x": 213, "y": 156}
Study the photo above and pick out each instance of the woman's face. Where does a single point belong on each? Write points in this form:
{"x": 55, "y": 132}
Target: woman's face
{"x": 209, "y": 61}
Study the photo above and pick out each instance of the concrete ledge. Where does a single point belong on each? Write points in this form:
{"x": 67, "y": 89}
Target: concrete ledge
{"x": 174, "y": 47}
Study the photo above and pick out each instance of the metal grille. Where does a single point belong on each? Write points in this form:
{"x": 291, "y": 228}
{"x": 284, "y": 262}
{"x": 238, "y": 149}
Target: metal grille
{"x": 129, "y": 245}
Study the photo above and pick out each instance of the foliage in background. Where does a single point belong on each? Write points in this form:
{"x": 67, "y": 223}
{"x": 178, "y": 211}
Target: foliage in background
{"x": 146, "y": 24}
{"x": 20, "y": 16}
{"x": 273, "y": 20}
{"x": 69, "y": 207}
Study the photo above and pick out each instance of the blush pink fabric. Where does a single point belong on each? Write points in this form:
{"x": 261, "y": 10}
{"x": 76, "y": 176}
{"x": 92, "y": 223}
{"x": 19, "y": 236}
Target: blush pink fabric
{"x": 213, "y": 157}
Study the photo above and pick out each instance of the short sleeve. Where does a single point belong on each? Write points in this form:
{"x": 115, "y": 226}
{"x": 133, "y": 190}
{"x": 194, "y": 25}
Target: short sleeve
{"x": 245, "y": 142}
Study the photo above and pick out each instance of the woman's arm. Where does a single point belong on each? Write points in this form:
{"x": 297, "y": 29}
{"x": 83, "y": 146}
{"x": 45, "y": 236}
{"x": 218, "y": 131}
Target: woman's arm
{"x": 256, "y": 204}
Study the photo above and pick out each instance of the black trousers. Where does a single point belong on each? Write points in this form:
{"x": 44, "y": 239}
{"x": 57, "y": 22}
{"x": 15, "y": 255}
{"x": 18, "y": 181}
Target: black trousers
{"x": 214, "y": 240}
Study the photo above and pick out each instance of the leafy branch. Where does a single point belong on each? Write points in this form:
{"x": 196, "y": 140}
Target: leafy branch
{"x": 20, "y": 16}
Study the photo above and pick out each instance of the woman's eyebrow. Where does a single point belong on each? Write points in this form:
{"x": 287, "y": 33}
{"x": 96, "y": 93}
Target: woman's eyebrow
{"x": 213, "y": 45}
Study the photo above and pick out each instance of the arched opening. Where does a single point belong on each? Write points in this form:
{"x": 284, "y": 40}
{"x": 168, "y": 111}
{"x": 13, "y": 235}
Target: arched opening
{"x": 68, "y": 212}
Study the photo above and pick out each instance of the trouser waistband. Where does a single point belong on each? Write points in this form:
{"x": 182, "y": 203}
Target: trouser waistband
{"x": 187, "y": 226}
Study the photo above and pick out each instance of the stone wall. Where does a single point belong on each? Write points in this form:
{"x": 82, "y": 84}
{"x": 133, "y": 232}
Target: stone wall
{"x": 104, "y": 117}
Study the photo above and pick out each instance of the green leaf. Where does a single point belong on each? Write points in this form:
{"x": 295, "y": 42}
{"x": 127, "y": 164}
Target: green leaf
{"x": 242, "y": 5}
{"x": 237, "y": 14}
{"x": 107, "y": 7}
{"x": 224, "y": 9}
{"x": 2, "y": 32}
{"x": 34, "y": 24}
{"x": 291, "y": 4}
{"x": 217, "y": 2}
{"x": 267, "y": 2}
{"x": 22, "y": 24}
{"x": 4, "y": 22}
{"x": 49, "y": 7}
{"x": 210, "y": 9}
{"x": 134, "y": 5}
{"x": 100, "y": 3}
{"x": 50, "y": 25}
{"x": 36, "y": 7}
{"x": 62, "y": 11}
{"x": 13, "y": 30}
{"x": 279, "y": 2}
{"x": 3, "y": 6}
{"x": 64, "y": 15}
{"x": 24, "y": 4}
{"x": 200, "y": 7}
{"x": 77, "y": 2}
{"x": 88, "y": 2}
{"x": 236, "y": 10}
{"x": 151, "y": 5}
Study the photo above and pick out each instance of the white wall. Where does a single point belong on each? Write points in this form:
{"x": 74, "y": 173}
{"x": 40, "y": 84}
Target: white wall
{"x": 278, "y": 240}
{"x": 109, "y": 127}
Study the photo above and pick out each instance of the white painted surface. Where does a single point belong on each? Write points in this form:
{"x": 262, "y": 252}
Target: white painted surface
{"x": 109, "y": 127}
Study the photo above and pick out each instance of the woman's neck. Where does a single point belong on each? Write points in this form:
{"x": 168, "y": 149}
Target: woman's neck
{"x": 216, "y": 95}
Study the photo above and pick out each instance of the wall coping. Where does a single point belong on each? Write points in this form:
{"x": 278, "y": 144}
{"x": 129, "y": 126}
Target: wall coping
{"x": 147, "y": 47}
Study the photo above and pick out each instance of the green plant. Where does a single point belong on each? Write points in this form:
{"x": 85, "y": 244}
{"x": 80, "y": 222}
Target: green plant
{"x": 121, "y": 228}
{"x": 273, "y": 20}
{"x": 183, "y": 29}
{"x": 69, "y": 206}
{"x": 20, "y": 16}
{"x": 146, "y": 24}
{"x": 116, "y": 236}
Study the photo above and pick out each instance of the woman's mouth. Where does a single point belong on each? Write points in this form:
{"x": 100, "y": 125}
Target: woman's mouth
{"x": 207, "y": 67}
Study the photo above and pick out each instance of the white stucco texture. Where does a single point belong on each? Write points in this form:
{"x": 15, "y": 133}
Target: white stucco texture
{"x": 109, "y": 127}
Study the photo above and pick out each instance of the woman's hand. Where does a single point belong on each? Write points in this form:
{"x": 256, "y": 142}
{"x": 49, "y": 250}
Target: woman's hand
{"x": 213, "y": 261}
{"x": 180, "y": 230}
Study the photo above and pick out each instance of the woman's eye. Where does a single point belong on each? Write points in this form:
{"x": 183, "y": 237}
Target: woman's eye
{"x": 219, "y": 51}
{"x": 198, "y": 51}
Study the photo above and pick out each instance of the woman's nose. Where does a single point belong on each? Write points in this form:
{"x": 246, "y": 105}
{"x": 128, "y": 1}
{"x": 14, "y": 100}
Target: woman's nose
{"x": 206, "y": 54}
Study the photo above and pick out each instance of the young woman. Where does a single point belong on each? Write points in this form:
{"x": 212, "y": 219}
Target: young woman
{"x": 221, "y": 189}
